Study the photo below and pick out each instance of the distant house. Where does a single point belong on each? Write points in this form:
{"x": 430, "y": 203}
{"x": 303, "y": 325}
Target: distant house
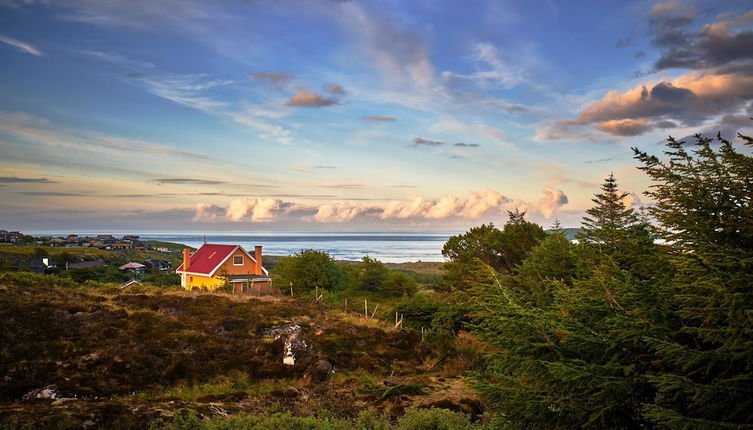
{"x": 37, "y": 265}
{"x": 212, "y": 266}
{"x": 133, "y": 267}
{"x": 162, "y": 249}
{"x": 132, "y": 282}
{"x": 84, "y": 265}
{"x": 159, "y": 264}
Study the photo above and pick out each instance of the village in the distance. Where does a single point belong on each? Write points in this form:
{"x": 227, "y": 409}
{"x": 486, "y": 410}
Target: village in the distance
{"x": 104, "y": 257}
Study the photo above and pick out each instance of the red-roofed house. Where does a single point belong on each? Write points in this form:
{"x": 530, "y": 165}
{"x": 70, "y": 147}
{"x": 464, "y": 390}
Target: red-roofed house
{"x": 212, "y": 265}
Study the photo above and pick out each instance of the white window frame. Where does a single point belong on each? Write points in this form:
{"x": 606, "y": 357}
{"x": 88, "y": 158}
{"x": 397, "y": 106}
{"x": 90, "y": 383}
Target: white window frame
{"x": 237, "y": 256}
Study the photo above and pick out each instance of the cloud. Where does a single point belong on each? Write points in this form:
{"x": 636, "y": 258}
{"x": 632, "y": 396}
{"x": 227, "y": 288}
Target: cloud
{"x": 632, "y": 200}
{"x": 475, "y": 205}
{"x": 52, "y": 194}
{"x": 306, "y": 99}
{"x": 346, "y": 186}
{"x": 278, "y": 80}
{"x": 16, "y": 180}
{"x": 480, "y": 129}
{"x": 120, "y": 60}
{"x": 714, "y": 45}
{"x": 208, "y": 212}
{"x": 400, "y": 54}
{"x": 625, "y": 127}
{"x": 21, "y": 46}
{"x": 342, "y": 212}
{"x": 379, "y": 118}
{"x": 553, "y": 200}
{"x": 720, "y": 83}
{"x": 256, "y": 209}
{"x": 29, "y": 128}
{"x": 689, "y": 99}
{"x": 467, "y": 145}
{"x": 194, "y": 91}
{"x": 190, "y": 181}
{"x": 496, "y": 71}
{"x": 426, "y": 142}
{"x": 335, "y": 89}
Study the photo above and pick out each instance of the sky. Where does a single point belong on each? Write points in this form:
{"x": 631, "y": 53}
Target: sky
{"x": 351, "y": 115}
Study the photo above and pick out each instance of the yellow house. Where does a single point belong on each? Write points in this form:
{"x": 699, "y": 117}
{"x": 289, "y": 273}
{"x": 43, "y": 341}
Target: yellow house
{"x": 213, "y": 266}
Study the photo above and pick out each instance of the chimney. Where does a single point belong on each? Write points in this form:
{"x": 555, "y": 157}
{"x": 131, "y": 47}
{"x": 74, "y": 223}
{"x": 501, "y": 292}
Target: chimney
{"x": 257, "y": 257}
{"x": 186, "y": 259}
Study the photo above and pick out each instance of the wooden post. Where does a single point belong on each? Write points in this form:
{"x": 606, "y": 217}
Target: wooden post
{"x": 422, "y": 334}
{"x": 365, "y": 309}
{"x": 291, "y": 288}
{"x": 374, "y": 313}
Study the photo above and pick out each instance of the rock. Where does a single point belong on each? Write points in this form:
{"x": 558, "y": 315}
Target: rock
{"x": 220, "y": 331}
{"x": 49, "y": 392}
{"x": 293, "y": 342}
{"x": 319, "y": 371}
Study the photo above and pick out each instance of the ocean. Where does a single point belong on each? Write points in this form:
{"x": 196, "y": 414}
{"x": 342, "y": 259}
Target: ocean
{"x": 388, "y": 247}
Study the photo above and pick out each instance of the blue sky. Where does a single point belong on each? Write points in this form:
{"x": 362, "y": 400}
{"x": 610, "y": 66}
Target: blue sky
{"x": 348, "y": 115}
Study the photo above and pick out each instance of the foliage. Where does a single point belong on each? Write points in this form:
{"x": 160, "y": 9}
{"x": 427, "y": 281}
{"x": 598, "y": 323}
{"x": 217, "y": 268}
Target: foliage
{"x": 704, "y": 203}
{"x": 502, "y": 249}
{"x": 618, "y": 332}
{"x": 433, "y": 419}
{"x": 307, "y": 270}
{"x": 418, "y": 310}
{"x": 398, "y": 284}
{"x": 371, "y": 274}
{"x": 480, "y": 242}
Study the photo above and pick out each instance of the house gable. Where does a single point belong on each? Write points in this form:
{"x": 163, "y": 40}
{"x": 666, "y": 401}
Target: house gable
{"x": 208, "y": 260}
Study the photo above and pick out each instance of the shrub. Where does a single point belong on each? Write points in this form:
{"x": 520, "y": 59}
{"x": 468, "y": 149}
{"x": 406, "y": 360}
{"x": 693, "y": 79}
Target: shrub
{"x": 433, "y": 419}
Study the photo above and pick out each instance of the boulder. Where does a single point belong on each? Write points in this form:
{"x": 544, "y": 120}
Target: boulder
{"x": 319, "y": 371}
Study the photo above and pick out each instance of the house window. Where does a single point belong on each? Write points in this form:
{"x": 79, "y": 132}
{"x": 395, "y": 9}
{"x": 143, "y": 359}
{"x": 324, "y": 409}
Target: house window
{"x": 238, "y": 260}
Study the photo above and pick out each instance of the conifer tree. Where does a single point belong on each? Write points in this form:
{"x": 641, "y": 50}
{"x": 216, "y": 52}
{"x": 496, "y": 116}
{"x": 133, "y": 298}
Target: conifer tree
{"x": 704, "y": 368}
{"x": 609, "y": 222}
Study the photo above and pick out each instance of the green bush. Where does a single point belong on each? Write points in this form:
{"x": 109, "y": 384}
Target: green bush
{"x": 433, "y": 419}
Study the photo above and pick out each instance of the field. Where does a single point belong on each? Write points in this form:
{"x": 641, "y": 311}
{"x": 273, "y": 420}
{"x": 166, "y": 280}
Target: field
{"x": 132, "y": 358}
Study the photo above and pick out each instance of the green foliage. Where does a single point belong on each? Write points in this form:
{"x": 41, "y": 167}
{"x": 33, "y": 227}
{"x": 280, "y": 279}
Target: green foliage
{"x": 704, "y": 202}
{"x": 503, "y": 250}
{"x": 433, "y": 419}
{"x": 618, "y": 332}
{"x": 371, "y": 274}
{"x": 398, "y": 284}
{"x": 99, "y": 274}
{"x": 482, "y": 242}
{"x": 307, "y": 270}
{"x": 519, "y": 237}
{"x": 419, "y": 310}
{"x": 191, "y": 421}
{"x": 550, "y": 264}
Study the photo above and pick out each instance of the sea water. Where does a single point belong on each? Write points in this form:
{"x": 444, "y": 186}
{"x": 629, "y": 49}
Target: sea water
{"x": 389, "y": 247}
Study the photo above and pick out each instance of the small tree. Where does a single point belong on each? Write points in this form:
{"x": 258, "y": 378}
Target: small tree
{"x": 371, "y": 274}
{"x": 609, "y": 222}
{"x": 307, "y": 270}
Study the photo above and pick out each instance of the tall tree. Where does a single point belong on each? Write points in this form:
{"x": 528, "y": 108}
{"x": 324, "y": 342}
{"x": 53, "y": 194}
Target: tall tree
{"x": 608, "y": 222}
{"x": 704, "y": 203}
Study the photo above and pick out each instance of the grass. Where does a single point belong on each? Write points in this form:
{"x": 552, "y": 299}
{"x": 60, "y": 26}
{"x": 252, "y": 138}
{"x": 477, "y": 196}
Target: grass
{"x": 135, "y": 356}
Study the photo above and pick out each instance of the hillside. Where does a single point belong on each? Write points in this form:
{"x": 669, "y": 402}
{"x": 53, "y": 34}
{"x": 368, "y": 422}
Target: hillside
{"x": 112, "y": 358}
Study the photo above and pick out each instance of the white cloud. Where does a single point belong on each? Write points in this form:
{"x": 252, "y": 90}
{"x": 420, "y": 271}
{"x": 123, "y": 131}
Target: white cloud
{"x": 551, "y": 202}
{"x": 256, "y": 209}
{"x": 21, "y": 46}
{"x": 207, "y": 212}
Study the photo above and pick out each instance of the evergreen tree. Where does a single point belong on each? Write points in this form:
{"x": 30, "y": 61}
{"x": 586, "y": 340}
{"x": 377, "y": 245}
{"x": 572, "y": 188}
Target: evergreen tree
{"x": 609, "y": 221}
{"x": 704, "y": 370}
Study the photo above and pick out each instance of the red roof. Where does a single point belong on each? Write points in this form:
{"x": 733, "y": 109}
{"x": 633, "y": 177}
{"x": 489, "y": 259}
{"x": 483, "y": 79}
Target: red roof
{"x": 208, "y": 257}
